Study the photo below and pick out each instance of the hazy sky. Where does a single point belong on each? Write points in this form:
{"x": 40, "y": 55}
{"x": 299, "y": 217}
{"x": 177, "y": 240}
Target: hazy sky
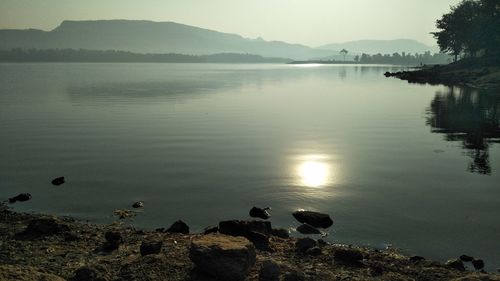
{"x": 310, "y": 22}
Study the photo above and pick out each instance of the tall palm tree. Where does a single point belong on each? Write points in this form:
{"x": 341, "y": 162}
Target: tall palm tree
{"x": 344, "y": 52}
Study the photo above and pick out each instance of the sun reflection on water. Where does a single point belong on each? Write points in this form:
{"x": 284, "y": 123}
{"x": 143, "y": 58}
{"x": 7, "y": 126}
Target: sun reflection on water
{"x": 314, "y": 171}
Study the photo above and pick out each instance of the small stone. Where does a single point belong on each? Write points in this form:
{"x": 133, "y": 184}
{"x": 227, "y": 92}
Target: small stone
{"x": 478, "y": 264}
{"x": 269, "y": 271}
{"x": 210, "y": 229}
{"x": 113, "y": 241}
{"x": 280, "y": 232}
{"x": 20, "y": 198}
{"x": 416, "y": 259}
{"x": 466, "y": 258}
{"x": 58, "y": 181}
{"x": 307, "y": 229}
{"x": 261, "y": 241}
{"x": 303, "y": 244}
{"x": 151, "y": 248}
{"x": 178, "y": 227}
{"x": 294, "y": 276}
{"x": 86, "y": 274}
{"x": 348, "y": 256}
{"x": 455, "y": 264}
{"x": 315, "y": 219}
{"x": 224, "y": 257}
{"x": 138, "y": 204}
{"x": 259, "y": 213}
{"x": 314, "y": 251}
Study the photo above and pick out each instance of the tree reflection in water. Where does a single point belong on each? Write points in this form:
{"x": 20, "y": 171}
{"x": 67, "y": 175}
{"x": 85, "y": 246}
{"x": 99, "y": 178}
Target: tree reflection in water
{"x": 468, "y": 116}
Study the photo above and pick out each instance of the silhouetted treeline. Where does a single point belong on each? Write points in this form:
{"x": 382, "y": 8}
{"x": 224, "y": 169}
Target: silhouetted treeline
{"x": 404, "y": 58}
{"x": 395, "y": 59}
{"x": 81, "y": 55}
{"x": 471, "y": 29}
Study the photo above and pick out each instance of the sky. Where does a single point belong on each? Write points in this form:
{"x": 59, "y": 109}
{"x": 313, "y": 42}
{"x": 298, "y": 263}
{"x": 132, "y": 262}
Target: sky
{"x": 310, "y": 22}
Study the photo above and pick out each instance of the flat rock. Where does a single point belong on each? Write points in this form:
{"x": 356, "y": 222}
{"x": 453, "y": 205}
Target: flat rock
{"x": 315, "y": 219}
{"x": 178, "y": 227}
{"x": 222, "y": 257}
{"x": 25, "y": 273}
{"x": 241, "y": 227}
{"x": 466, "y": 258}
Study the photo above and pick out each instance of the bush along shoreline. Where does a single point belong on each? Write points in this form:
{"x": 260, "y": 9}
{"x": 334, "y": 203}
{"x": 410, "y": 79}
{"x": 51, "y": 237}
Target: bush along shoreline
{"x": 43, "y": 247}
{"x": 481, "y": 73}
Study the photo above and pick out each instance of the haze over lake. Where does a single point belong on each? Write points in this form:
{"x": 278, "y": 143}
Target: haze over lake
{"x": 394, "y": 163}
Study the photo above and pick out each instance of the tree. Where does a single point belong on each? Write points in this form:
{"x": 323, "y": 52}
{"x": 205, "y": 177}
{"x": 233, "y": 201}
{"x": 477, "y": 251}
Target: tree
{"x": 344, "y": 52}
{"x": 356, "y": 58}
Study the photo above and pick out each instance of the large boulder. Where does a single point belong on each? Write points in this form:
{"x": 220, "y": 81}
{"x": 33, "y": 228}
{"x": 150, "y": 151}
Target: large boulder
{"x": 222, "y": 257}
{"x": 178, "y": 227}
{"x": 256, "y": 231}
{"x": 315, "y": 219}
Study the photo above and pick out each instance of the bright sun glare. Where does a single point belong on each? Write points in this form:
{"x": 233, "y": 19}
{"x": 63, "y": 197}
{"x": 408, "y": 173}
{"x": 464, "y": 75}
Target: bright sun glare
{"x": 313, "y": 173}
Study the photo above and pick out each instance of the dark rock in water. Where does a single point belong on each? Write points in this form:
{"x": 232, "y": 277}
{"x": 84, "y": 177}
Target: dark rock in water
{"x": 314, "y": 251}
{"x": 269, "y": 271}
{"x": 210, "y": 229}
{"x": 322, "y": 243}
{"x": 415, "y": 259}
{"x": 478, "y": 264}
{"x": 307, "y": 229}
{"x": 20, "y": 198}
{"x": 113, "y": 241}
{"x": 58, "y": 181}
{"x": 87, "y": 274}
{"x": 178, "y": 227}
{"x": 304, "y": 244}
{"x": 313, "y": 218}
{"x": 138, "y": 204}
{"x": 294, "y": 276}
{"x": 223, "y": 257}
{"x": 348, "y": 256}
{"x": 161, "y": 229}
{"x": 151, "y": 248}
{"x": 455, "y": 264}
{"x": 280, "y": 232}
{"x": 44, "y": 227}
{"x": 241, "y": 228}
{"x": 260, "y": 213}
{"x": 466, "y": 258}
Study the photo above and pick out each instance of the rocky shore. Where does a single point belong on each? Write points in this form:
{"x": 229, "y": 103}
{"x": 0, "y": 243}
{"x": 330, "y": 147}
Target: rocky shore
{"x": 478, "y": 73}
{"x": 42, "y": 247}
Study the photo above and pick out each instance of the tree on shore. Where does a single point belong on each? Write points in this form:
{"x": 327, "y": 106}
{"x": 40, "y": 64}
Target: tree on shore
{"x": 344, "y": 52}
{"x": 470, "y": 29}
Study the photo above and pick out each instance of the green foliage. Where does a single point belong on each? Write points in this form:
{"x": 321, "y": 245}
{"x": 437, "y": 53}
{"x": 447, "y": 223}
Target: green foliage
{"x": 472, "y": 28}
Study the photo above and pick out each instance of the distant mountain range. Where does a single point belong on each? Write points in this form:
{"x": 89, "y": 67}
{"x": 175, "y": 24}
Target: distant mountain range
{"x": 169, "y": 37}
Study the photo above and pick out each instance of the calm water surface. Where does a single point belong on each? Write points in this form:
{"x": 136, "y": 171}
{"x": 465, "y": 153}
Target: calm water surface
{"x": 410, "y": 165}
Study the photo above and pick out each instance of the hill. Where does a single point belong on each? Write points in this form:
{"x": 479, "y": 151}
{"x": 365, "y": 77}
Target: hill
{"x": 149, "y": 37}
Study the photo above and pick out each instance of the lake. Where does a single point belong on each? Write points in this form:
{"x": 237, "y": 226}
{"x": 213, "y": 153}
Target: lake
{"x": 413, "y": 166}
